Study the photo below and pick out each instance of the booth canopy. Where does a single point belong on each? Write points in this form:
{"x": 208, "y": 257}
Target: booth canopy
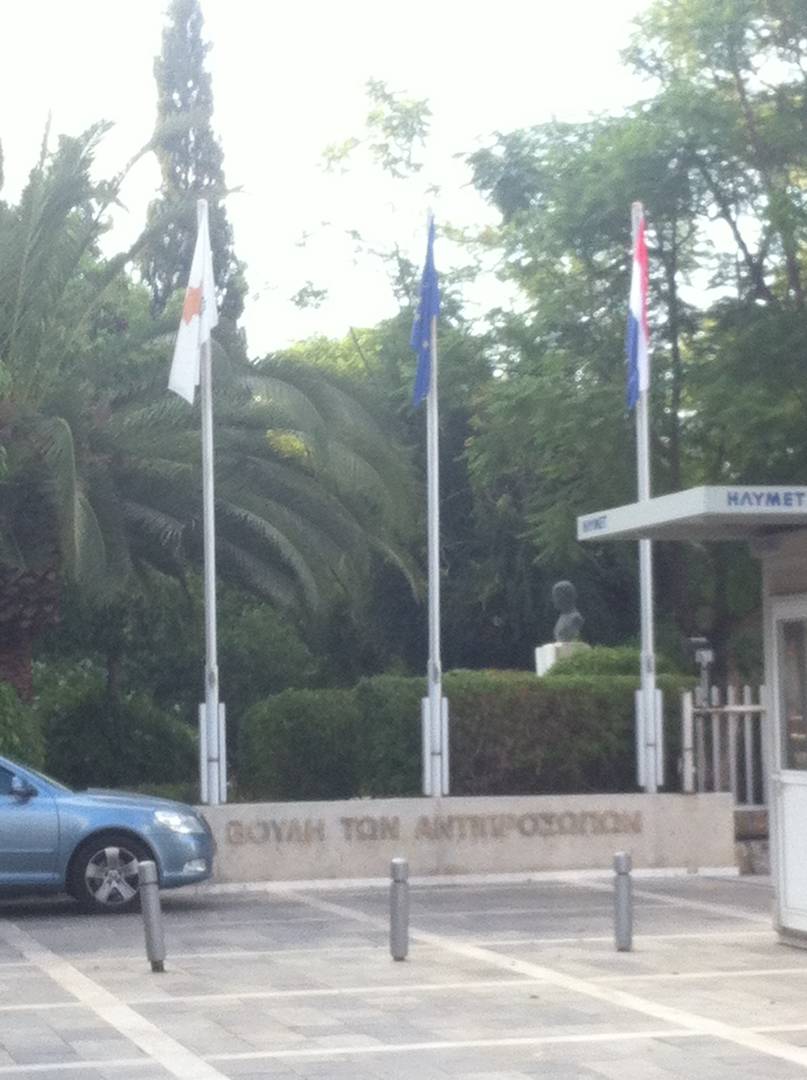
{"x": 702, "y": 513}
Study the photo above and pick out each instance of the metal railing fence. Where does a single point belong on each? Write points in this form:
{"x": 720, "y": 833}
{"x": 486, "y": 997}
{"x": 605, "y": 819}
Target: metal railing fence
{"x": 722, "y": 744}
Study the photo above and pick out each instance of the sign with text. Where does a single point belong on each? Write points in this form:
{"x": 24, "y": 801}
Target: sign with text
{"x": 719, "y": 512}
{"x": 357, "y": 838}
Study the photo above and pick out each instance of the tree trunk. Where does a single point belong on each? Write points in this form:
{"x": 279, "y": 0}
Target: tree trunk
{"x": 29, "y": 602}
{"x": 16, "y": 666}
{"x": 754, "y": 266}
{"x": 114, "y": 658}
{"x": 776, "y": 191}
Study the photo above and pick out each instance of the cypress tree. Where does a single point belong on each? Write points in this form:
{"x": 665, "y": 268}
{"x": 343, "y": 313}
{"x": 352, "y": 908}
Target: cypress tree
{"x": 191, "y": 163}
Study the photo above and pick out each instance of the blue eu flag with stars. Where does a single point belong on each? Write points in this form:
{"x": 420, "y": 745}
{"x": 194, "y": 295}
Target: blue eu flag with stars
{"x": 428, "y": 309}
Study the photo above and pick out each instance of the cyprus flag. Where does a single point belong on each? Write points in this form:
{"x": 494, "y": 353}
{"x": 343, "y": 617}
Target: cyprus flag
{"x": 199, "y": 314}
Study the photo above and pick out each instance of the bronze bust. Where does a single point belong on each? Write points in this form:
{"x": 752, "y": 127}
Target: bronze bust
{"x": 570, "y": 622}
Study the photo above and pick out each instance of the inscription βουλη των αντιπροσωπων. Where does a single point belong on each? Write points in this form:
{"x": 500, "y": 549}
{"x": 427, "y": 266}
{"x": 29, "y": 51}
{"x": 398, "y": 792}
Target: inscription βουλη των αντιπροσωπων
{"x": 431, "y": 828}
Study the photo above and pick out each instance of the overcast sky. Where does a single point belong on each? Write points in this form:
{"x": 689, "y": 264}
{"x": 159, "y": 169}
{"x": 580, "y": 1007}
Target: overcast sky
{"x": 288, "y": 79}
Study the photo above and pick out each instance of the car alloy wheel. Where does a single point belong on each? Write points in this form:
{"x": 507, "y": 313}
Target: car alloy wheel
{"x": 108, "y": 874}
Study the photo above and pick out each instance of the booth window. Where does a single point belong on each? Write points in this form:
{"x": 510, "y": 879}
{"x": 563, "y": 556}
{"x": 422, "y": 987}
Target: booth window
{"x": 793, "y": 651}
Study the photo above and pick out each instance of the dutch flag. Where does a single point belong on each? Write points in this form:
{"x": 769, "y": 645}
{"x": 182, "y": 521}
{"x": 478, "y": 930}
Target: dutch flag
{"x": 638, "y": 337}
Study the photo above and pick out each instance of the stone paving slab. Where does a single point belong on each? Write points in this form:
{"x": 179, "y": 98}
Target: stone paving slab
{"x": 200, "y": 924}
{"x": 365, "y": 1021}
{"x": 582, "y": 909}
{"x": 504, "y": 982}
{"x": 733, "y": 952}
{"x": 307, "y": 971}
{"x": 20, "y": 984}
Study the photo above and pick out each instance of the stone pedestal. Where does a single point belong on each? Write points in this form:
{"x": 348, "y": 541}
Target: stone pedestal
{"x": 546, "y": 656}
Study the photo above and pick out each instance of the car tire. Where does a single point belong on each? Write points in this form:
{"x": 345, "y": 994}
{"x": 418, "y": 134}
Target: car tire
{"x": 104, "y": 875}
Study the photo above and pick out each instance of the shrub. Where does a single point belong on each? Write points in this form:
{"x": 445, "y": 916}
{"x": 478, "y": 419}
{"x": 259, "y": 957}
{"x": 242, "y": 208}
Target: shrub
{"x": 20, "y": 734}
{"x": 389, "y": 742}
{"x": 511, "y": 734}
{"x": 560, "y": 734}
{"x": 533, "y": 735}
{"x": 92, "y": 741}
{"x": 300, "y": 744}
{"x": 603, "y": 660}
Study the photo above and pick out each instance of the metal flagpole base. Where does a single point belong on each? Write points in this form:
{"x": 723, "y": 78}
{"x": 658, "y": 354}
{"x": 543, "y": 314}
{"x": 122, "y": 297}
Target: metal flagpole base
{"x": 440, "y": 767}
{"x": 222, "y": 753}
{"x": 212, "y": 758}
{"x": 649, "y": 741}
{"x": 203, "y": 791}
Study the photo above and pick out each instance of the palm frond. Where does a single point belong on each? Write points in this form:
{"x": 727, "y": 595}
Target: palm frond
{"x": 305, "y": 496}
{"x": 291, "y": 403}
{"x": 357, "y": 479}
{"x": 91, "y": 566}
{"x": 159, "y": 527}
{"x": 267, "y": 580}
{"x": 278, "y": 541}
{"x": 61, "y": 486}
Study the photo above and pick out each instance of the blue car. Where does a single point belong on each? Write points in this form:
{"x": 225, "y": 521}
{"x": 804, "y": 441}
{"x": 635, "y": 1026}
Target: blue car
{"x": 88, "y": 843}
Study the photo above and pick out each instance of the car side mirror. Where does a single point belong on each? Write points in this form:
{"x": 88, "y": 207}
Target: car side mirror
{"x": 21, "y": 789}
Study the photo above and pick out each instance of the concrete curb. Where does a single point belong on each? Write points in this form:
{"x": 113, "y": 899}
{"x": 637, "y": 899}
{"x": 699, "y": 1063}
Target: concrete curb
{"x": 562, "y": 877}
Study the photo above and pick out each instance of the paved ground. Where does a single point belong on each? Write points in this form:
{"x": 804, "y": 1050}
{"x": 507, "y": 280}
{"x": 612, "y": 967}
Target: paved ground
{"x": 504, "y": 981}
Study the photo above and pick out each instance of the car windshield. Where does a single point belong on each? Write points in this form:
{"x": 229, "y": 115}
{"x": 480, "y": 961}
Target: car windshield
{"x": 47, "y": 779}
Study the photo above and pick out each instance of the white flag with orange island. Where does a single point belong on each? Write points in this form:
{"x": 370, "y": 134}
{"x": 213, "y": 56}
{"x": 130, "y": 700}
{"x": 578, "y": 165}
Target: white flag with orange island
{"x": 199, "y": 316}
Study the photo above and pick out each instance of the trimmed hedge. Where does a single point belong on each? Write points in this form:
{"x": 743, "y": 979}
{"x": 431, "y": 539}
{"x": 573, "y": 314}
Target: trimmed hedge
{"x": 301, "y": 744}
{"x": 606, "y": 660}
{"x": 557, "y": 735}
{"x": 20, "y": 733}
{"x": 511, "y": 734}
{"x": 389, "y": 735}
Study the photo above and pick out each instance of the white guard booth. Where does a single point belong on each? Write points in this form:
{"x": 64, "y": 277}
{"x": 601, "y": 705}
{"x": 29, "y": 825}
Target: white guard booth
{"x": 773, "y": 520}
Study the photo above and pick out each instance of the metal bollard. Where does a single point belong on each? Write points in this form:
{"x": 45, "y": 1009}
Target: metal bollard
{"x": 399, "y": 909}
{"x": 623, "y": 902}
{"x": 152, "y": 914}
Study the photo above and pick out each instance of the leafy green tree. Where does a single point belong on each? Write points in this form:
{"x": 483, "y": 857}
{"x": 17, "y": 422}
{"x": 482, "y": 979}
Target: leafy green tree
{"x": 721, "y": 140}
{"x": 734, "y": 71}
{"x": 102, "y": 466}
{"x": 396, "y": 129}
{"x": 733, "y": 74}
{"x": 191, "y": 163}
{"x": 551, "y": 434}
{"x": 150, "y": 640}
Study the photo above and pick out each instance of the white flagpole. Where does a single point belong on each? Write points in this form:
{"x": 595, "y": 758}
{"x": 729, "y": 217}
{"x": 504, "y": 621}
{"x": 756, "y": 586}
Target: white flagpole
{"x": 214, "y": 760}
{"x": 435, "y": 725}
{"x": 649, "y": 749}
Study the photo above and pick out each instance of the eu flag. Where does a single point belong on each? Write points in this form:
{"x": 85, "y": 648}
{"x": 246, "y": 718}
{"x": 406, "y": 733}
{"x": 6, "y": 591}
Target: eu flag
{"x": 428, "y": 309}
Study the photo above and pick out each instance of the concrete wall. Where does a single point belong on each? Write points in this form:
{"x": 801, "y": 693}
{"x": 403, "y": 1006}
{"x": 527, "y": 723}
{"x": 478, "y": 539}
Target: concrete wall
{"x": 357, "y": 838}
{"x": 784, "y": 562}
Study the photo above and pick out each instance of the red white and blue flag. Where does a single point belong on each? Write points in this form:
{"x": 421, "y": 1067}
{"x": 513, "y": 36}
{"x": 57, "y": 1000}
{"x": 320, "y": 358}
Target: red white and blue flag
{"x": 638, "y": 337}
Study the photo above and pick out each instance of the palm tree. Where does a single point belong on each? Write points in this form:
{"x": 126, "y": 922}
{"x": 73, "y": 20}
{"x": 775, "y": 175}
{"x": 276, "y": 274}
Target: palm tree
{"x": 100, "y": 466}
